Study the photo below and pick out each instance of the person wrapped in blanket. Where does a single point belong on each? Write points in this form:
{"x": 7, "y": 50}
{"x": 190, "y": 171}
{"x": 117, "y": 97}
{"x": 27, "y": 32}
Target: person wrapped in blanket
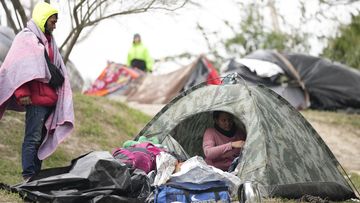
{"x": 224, "y": 142}
{"x": 49, "y": 109}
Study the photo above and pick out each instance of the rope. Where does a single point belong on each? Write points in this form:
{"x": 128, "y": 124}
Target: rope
{"x": 296, "y": 74}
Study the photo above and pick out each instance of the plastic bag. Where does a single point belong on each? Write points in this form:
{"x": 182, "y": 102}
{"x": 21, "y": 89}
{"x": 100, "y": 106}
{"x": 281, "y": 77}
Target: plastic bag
{"x": 195, "y": 170}
{"x": 165, "y": 165}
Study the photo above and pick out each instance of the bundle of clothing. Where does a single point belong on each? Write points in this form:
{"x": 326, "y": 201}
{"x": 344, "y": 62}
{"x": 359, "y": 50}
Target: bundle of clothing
{"x": 191, "y": 180}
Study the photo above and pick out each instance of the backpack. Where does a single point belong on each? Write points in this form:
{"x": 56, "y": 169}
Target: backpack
{"x": 214, "y": 191}
{"x": 141, "y": 156}
{"x": 135, "y": 157}
{"x": 149, "y": 147}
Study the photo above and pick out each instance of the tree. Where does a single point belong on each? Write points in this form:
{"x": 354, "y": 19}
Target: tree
{"x": 18, "y": 14}
{"x": 254, "y": 32}
{"x": 264, "y": 25}
{"x": 88, "y": 14}
{"x": 344, "y": 47}
{"x": 255, "y": 35}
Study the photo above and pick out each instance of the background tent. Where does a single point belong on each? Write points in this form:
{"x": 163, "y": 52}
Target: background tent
{"x": 115, "y": 77}
{"x": 283, "y": 153}
{"x": 161, "y": 89}
{"x": 118, "y": 80}
{"x": 272, "y": 76}
{"x": 304, "y": 80}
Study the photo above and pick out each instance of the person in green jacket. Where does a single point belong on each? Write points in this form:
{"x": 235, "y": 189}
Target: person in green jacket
{"x": 138, "y": 56}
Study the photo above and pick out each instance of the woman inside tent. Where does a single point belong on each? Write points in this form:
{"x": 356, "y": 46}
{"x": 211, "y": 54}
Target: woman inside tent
{"x": 224, "y": 142}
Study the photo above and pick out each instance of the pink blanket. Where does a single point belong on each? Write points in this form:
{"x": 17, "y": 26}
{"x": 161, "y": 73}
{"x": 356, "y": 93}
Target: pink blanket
{"x": 24, "y": 62}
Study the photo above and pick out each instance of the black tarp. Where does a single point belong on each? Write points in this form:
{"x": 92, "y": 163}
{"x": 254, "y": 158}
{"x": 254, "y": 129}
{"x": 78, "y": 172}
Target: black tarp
{"x": 279, "y": 83}
{"x": 95, "y": 177}
{"x": 329, "y": 85}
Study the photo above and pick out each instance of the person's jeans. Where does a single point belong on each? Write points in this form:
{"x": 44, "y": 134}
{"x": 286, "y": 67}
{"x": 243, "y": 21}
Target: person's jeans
{"x": 34, "y": 133}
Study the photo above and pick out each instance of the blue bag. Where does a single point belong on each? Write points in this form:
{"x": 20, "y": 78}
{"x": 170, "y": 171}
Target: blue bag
{"x": 215, "y": 191}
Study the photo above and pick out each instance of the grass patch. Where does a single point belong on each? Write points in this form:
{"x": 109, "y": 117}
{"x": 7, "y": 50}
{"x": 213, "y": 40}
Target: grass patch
{"x": 335, "y": 118}
{"x": 100, "y": 124}
{"x": 355, "y": 178}
{"x": 10, "y": 197}
{"x": 58, "y": 159}
{"x": 10, "y": 171}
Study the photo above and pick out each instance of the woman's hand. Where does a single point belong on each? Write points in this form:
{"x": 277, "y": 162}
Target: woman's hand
{"x": 237, "y": 144}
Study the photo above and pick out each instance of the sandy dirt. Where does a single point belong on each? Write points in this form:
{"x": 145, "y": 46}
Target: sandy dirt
{"x": 344, "y": 142}
{"x": 149, "y": 109}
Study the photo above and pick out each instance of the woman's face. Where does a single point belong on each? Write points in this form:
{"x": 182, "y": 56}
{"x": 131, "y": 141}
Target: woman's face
{"x": 137, "y": 40}
{"x": 225, "y": 121}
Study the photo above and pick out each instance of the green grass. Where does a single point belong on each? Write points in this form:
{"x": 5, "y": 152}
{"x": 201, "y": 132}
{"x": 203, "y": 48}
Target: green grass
{"x": 355, "y": 178}
{"x": 334, "y": 118}
{"x": 103, "y": 124}
{"x": 8, "y": 197}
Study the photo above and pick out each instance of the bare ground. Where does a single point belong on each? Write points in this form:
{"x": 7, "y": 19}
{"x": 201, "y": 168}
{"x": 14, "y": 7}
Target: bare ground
{"x": 343, "y": 141}
{"x": 150, "y": 109}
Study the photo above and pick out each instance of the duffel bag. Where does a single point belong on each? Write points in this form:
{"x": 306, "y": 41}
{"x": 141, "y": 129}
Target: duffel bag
{"x": 215, "y": 191}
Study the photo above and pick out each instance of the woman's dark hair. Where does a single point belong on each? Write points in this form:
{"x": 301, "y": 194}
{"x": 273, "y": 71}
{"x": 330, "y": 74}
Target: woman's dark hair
{"x": 137, "y": 35}
{"x": 216, "y": 114}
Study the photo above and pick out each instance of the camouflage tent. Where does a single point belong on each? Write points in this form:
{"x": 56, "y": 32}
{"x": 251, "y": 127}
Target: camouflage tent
{"x": 283, "y": 153}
